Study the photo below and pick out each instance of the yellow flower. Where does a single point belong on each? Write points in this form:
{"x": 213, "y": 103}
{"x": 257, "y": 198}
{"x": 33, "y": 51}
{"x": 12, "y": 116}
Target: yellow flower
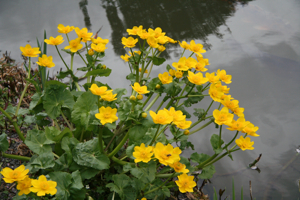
{"x": 222, "y": 116}
{"x": 98, "y": 47}
{"x": 196, "y": 48}
{"x": 24, "y": 186}
{"x": 172, "y": 72}
{"x": 143, "y": 34}
{"x": 250, "y": 129}
{"x": 135, "y": 30}
{"x": 230, "y": 104}
{"x": 99, "y": 40}
{"x": 156, "y": 33}
{"x": 197, "y": 79}
{"x": 222, "y": 88}
{"x": 162, "y": 39}
{"x": 183, "y": 124}
{"x": 45, "y": 61}
{"x": 190, "y": 62}
{"x": 64, "y": 29}
{"x": 138, "y": 52}
{"x": 184, "y": 45}
{"x": 223, "y": 77}
{"x": 74, "y": 45}
{"x": 142, "y": 153}
{"x": 54, "y": 41}
{"x": 200, "y": 66}
{"x": 166, "y": 154}
{"x": 179, "y": 167}
{"x": 215, "y": 93}
{"x": 185, "y": 183}
{"x": 17, "y": 174}
{"x": 109, "y": 96}
{"x": 165, "y": 78}
{"x": 238, "y": 125}
{"x": 140, "y": 89}
{"x": 181, "y": 66}
{"x": 239, "y": 111}
{"x": 125, "y": 57}
{"x": 107, "y": 115}
{"x": 161, "y": 48}
{"x": 244, "y": 143}
{"x": 177, "y": 115}
{"x": 30, "y": 52}
{"x": 162, "y": 117}
{"x": 98, "y": 90}
{"x": 152, "y": 42}
{"x": 83, "y": 34}
{"x": 43, "y": 187}
{"x": 171, "y": 40}
{"x": 178, "y": 74}
{"x": 129, "y": 42}
{"x": 212, "y": 78}
{"x": 91, "y": 52}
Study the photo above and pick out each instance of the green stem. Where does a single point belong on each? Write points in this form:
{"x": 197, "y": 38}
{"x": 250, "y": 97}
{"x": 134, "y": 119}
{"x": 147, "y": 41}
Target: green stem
{"x": 237, "y": 132}
{"x": 169, "y": 104}
{"x": 205, "y": 87}
{"x": 209, "y": 106}
{"x": 191, "y": 54}
{"x": 150, "y": 191}
{"x": 100, "y": 138}
{"x": 166, "y": 175}
{"x": 20, "y": 134}
{"x": 153, "y": 140}
{"x": 182, "y": 53}
{"x": 72, "y": 57}
{"x": 180, "y": 95}
{"x": 67, "y": 37}
{"x": 56, "y": 124}
{"x": 200, "y": 166}
{"x": 149, "y": 97}
{"x": 23, "y": 158}
{"x": 160, "y": 105}
{"x": 202, "y": 127}
{"x": 152, "y": 102}
{"x": 82, "y": 58}
{"x": 220, "y": 137}
{"x": 77, "y": 86}
{"x": 61, "y": 56}
{"x": 24, "y": 91}
{"x": 66, "y": 120}
{"x": 119, "y": 145}
{"x": 120, "y": 162}
{"x": 224, "y": 154}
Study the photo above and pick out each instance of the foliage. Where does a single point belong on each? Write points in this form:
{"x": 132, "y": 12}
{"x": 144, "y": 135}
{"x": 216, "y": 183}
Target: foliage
{"x": 104, "y": 144}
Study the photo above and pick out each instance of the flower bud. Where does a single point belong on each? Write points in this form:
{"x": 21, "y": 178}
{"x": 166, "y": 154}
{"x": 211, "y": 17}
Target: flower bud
{"x": 91, "y": 52}
{"x": 139, "y": 97}
{"x": 178, "y": 74}
{"x": 144, "y": 115}
{"x": 103, "y": 67}
{"x": 186, "y": 132}
{"x": 157, "y": 86}
{"x": 132, "y": 98}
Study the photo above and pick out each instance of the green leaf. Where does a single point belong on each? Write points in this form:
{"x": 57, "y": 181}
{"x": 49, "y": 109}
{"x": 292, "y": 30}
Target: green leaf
{"x": 182, "y": 109}
{"x": 122, "y": 186}
{"x": 98, "y": 72}
{"x": 199, "y": 112}
{"x": 145, "y": 174}
{"x": 207, "y": 172}
{"x": 120, "y": 92}
{"x": 88, "y": 154}
{"x": 166, "y": 191}
{"x": 82, "y": 109}
{"x": 99, "y": 84}
{"x": 56, "y": 96}
{"x": 152, "y": 85}
{"x": 35, "y": 100}
{"x": 214, "y": 140}
{"x": 129, "y": 151}
{"x": 137, "y": 132}
{"x": 3, "y": 142}
{"x": 192, "y": 100}
{"x": 63, "y": 180}
{"x": 44, "y": 161}
{"x": 157, "y": 60}
{"x": 64, "y": 74}
{"x": 199, "y": 158}
{"x": 131, "y": 77}
{"x": 37, "y": 141}
{"x": 56, "y": 135}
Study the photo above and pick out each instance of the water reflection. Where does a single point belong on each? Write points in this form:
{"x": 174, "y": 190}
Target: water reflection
{"x": 181, "y": 20}
{"x": 87, "y": 20}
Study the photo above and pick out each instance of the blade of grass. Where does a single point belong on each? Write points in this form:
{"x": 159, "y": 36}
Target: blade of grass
{"x": 233, "y": 194}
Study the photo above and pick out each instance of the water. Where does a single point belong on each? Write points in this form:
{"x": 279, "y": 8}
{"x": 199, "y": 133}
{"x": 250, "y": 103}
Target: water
{"x": 257, "y": 42}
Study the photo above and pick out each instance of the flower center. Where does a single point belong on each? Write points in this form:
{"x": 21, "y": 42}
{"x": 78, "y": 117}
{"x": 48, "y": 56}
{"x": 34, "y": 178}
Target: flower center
{"x": 15, "y": 174}
{"x": 106, "y": 115}
{"x": 44, "y": 185}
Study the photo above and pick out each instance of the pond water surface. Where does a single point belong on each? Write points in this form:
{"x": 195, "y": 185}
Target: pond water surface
{"x": 257, "y": 42}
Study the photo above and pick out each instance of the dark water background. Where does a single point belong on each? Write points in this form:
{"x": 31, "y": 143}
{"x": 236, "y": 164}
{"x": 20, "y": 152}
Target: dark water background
{"x": 257, "y": 42}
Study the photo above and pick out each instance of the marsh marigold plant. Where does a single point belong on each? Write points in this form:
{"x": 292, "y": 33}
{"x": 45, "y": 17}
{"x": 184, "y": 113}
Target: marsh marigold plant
{"x": 90, "y": 140}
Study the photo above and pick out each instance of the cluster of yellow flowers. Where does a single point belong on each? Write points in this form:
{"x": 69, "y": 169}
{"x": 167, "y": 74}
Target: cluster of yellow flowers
{"x": 106, "y": 114}
{"x": 167, "y": 116}
{"x": 98, "y": 44}
{"x": 169, "y": 156}
{"x": 154, "y": 38}
{"x": 25, "y": 185}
